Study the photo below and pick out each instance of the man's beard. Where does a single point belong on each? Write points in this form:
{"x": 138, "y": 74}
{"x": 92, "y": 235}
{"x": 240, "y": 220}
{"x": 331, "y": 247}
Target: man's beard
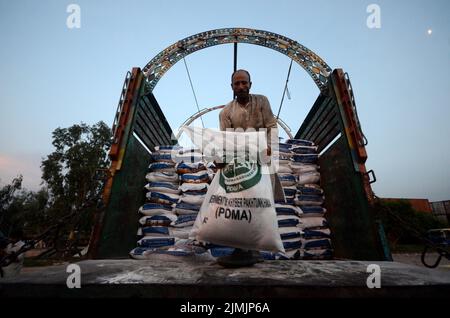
{"x": 242, "y": 94}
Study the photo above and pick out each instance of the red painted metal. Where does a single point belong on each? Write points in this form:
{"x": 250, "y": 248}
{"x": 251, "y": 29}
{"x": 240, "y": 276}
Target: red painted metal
{"x": 353, "y": 131}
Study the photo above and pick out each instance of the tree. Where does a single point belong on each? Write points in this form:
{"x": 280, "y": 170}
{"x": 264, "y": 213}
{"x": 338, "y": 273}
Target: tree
{"x": 7, "y": 192}
{"x": 405, "y": 225}
{"x": 69, "y": 171}
{"x": 6, "y": 199}
{"x": 27, "y": 211}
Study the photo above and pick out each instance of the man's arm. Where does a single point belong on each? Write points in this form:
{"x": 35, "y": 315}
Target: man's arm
{"x": 225, "y": 122}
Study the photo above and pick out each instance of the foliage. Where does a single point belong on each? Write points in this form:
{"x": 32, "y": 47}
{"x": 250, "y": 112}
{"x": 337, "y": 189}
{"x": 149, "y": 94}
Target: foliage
{"x": 404, "y": 225}
{"x": 69, "y": 171}
{"x": 6, "y": 199}
{"x": 69, "y": 184}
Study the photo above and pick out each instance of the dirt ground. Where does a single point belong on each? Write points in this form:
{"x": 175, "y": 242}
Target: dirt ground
{"x": 414, "y": 259}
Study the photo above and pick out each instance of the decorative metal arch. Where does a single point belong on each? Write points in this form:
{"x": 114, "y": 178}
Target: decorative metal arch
{"x": 311, "y": 62}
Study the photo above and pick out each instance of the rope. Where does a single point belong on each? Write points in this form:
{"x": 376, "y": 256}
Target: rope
{"x": 192, "y": 87}
{"x": 285, "y": 89}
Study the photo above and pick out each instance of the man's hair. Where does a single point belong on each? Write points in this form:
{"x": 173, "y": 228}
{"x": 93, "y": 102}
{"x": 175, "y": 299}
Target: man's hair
{"x": 232, "y": 75}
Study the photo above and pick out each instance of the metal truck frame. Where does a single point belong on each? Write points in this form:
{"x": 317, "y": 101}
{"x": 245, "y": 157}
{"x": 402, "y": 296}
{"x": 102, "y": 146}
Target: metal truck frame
{"x": 332, "y": 123}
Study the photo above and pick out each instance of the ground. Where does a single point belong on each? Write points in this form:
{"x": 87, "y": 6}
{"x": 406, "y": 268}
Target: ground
{"x": 414, "y": 259}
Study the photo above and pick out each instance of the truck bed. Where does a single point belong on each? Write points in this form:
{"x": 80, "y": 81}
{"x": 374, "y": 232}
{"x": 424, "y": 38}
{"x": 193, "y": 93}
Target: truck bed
{"x": 172, "y": 277}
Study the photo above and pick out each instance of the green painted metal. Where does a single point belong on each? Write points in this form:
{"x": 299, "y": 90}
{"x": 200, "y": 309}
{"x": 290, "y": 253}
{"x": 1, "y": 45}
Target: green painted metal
{"x": 118, "y": 235}
{"x": 353, "y": 228}
{"x": 321, "y": 124}
{"x": 384, "y": 242}
{"x": 120, "y": 220}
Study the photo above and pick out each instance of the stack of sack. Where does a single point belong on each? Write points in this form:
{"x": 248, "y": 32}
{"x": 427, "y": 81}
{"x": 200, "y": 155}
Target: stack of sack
{"x": 303, "y": 229}
{"x": 194, "y": 180}
{"x": 169, "y": 213}
{"x": 178, "y": 180}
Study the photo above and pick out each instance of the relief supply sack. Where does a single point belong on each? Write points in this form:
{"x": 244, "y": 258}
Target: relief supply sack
{"x": 165, "y": 187}
{"x": 195, "y": 199}
{"x": 164, "y": 219}
{"x": 162, "y": 166}
{"x": 242, "y": 217}
{"x": 238, "y": 209}
{"x": 162, "y": 177}
{"x": 150, "y": 209}
{"x": 186, "y": 167}
{"x": 195, "y": 177}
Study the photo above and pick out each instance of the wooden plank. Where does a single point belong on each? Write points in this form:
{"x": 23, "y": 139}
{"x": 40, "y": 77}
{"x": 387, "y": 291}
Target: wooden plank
{"x": 314, "y": 117}
{"x": 329, "y": 119}
{"x": 309, "y": 120}
{"x": 159, "y": 112}
{"x": 155, "y": 128}
{"x": 328, "y": 137}
{"x": 146, "y": 139}
{"x": 148, "y": 126}
{"x": 153, "y": 116}
{"x": 153, "y": 113}
{"x": 319, "y": 122}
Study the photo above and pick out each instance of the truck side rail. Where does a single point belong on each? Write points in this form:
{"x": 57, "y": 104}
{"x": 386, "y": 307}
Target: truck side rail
{"x": 142, "y": 126}
{"x": 332, "y": 124}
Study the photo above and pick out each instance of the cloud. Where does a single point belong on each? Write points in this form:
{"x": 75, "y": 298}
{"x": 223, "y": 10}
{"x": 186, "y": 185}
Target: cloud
{"x": 26, "y": 164}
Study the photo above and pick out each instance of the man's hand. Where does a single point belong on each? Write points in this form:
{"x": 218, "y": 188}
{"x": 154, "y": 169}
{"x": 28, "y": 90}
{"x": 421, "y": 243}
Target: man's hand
{"x": 220, "y": 165}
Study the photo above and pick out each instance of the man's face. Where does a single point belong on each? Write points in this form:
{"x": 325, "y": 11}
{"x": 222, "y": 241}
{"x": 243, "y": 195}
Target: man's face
{"x": 241, "y": 85}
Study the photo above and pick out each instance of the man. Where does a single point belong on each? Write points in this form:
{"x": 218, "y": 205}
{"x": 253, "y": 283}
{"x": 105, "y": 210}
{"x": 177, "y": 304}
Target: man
{"x": 249, "y": 111}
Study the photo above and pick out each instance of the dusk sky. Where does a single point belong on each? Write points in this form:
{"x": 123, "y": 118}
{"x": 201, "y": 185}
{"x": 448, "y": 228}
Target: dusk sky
{"x": 55, "y": 76}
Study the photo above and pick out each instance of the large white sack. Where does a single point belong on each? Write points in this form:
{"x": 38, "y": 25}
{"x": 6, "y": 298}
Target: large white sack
{"x": 160, "y": 231}
{"x": 238, "y": 209}
{"x": 193, "y": 199}
{"x": 194, "y": 187}
{"x": 217, "y": 145}
{"x": 163, "y": 219}
{"x": 308, "y": 177}
{"x": 243, "y": 219}
{"x": 165, "y": 187}
{"x": 161, "y": 177}
{"x": 281, "y": 167}
{"x": 150, "y": 209}
{"x": 312, "y": 222}
{"x": 299, "y": 168}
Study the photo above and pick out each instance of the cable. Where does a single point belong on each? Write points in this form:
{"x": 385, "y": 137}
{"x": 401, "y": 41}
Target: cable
{"x": 192, "y": 87}
{"x": 285, "y": 88}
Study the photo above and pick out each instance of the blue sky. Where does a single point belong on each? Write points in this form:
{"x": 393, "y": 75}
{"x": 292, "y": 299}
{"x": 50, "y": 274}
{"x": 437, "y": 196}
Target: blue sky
{"x": 52, "y": 76}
